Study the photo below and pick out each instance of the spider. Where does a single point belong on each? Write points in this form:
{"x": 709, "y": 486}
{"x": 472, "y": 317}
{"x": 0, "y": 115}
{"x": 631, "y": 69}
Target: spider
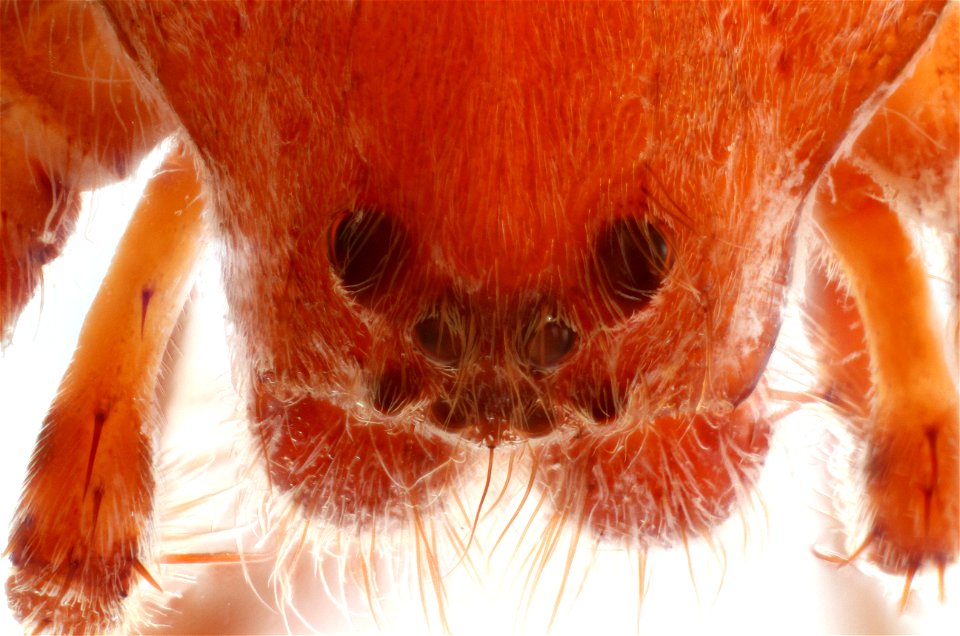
{"x": 542, "y": 249}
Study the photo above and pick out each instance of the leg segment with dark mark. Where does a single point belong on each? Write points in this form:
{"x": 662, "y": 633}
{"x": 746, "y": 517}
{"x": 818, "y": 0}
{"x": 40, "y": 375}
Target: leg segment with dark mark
{"x": 99, "y": 419}
{"x": 145, "y": 297}
{"x": 75, "y": 553}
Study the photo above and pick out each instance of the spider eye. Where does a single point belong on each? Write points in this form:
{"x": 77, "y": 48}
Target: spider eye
{"x": 393, "y": 390}
{"x": 533, "y": 419}
{"x": 632, "y": 259}
{"x": 367, "y": 250}
{"x": 549, "y": 343}
{"x": 449, "y": 416}
{"x": 441, "y": 335}
{"x": 437, "y": 340}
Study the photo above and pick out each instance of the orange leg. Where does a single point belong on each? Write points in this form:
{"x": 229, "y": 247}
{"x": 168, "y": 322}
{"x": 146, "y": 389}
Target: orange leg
{"x": 912, "y": 469}
{"x": 78, "y": 536}
{"x": 833, "y": 322}
{"x": 905, "y": 159}
{"x": 74, "y": 118}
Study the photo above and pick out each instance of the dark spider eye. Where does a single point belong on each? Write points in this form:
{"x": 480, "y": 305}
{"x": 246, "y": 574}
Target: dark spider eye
{"x": 449, "y": 417}
{"x": 632, "y": 258}
{"x": 441, "y": 335}
{"x": 393, "y": 390}
{"x": 367, "y": 249}
{"x": 549, "y": 343}
{"x": 533, "y": 419}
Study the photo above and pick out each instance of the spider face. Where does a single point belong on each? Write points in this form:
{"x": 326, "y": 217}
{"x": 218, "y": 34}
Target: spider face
{"x": 483, "y": 227}
{"x": 504, "y": 248}
{"x": 436, "y": 266}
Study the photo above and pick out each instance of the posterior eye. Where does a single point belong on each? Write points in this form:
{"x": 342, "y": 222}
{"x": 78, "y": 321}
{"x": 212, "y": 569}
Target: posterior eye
{"x": 632, "y": 259}
{"x": 367, "y": 250}
{"x": 549, "y": 342}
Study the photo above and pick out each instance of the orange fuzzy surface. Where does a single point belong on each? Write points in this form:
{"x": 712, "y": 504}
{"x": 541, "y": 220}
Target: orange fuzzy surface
{"x": 500, "y": 145}
{"x": 451, "y": 231}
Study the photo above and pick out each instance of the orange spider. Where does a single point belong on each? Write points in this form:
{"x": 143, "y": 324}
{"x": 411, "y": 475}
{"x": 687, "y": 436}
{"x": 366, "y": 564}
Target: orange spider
{"x": 453, "y": 230}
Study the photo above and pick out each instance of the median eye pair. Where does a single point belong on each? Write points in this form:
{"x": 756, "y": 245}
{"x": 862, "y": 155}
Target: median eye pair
{"x": 629, "y": 259}
{"x": 544, "y": 341}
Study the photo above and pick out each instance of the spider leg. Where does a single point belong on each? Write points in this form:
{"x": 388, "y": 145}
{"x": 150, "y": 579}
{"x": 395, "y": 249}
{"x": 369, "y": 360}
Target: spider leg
{"x": 883, "y": 354}
{"x": 79, "y": 537}
{"x": 74, "y": 118}
{"x": 912, "y": 466}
